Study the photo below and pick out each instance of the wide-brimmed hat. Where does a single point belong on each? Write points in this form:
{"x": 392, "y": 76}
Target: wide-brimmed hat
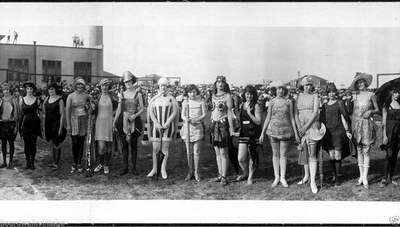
{"x": 29, "y": 84}
{"x": 277, "y": 84}
{"x": 359, "y": 76}
{"x": 163, "y": 80}
{"x": 79, "y": 80}
{"x": 5, "y": 85}
{"x": 307, "y": 80}
{"x": 104, "y": 81}
{"x": 317, "y": 134}
{"x": 128, "y": 76}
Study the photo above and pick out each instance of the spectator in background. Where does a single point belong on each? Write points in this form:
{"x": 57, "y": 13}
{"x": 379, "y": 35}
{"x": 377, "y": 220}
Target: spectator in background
{"x": 9, "y": 36}
{"x": 15, "y": 37}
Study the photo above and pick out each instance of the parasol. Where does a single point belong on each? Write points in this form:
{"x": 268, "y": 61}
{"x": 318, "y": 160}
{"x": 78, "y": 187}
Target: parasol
{"x": 382, "y": 94}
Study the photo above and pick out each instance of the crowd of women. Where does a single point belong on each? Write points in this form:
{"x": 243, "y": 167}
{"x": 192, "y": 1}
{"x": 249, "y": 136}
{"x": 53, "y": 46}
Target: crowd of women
{"x": 341, "y": 127}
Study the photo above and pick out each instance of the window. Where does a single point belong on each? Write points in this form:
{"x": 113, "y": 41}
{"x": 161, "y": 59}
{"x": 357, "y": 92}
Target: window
{"x": 51, "y": 71}
{"x": 20, "y": 65}
{"x": 83, "y": 69}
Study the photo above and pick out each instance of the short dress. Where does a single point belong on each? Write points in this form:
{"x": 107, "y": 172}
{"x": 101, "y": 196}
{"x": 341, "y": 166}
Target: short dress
{"x": 30, "y": 121}
{"x": 104, "y": 119}
{"x": 163, "y": 109}
{"x": 79, "y": 119}
{"x": 335, "y": 135}
{"x": 52, "y": 122}
{"x": 280, "y": 126}
{"x": 249, "y": 131}
{"x": 196, "y": 129}
{"x": 9, "y": 116}
{"x": 393, "y": 127}
{"x": 219, "y": 121}
{"x": 363, "y": 130}
{"x": 305, "y": 107}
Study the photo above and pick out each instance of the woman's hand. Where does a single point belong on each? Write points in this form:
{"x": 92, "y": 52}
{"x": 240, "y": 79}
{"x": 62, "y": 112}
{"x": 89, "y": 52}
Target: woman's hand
{"x": 297, "y": 138}
{"x": 302, "y": 131}
{"x": 367, "y": 114}
{"x": 385, "y": 140}
{"x": 248, "y": 109}
{"x": 166, "y": 125}
{"x": 132, "y": 117}
{"x": 261, "y": 139}
{"x": 348, "y": 134}
{"x": 158, "y": 126}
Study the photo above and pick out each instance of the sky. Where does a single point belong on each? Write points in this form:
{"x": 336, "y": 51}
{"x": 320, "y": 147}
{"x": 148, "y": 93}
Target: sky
{"x": 246, "y": 42}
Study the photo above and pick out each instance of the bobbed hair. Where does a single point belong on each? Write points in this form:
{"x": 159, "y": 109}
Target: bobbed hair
{"x": 191, "y": 87}
{"x": 253, "y": 91}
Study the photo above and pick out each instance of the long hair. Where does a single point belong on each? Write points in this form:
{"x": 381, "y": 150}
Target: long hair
{"x": 252, "y": 90}
{"x": 226, "y": 85}
{"x": 389, "y": 98}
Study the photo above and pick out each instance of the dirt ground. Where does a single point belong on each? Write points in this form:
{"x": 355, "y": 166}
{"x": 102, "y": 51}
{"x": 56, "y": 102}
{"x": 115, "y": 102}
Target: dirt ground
{"x": 45, "y": 184}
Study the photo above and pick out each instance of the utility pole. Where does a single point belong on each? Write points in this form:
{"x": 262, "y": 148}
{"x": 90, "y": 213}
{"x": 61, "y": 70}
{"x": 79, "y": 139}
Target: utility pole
{"x": 34, "y": 59}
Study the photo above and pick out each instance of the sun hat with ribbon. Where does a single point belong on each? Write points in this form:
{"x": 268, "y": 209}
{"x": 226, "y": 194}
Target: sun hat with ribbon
{"x": 317, "y": 134}
{"x": 359, "y": 76}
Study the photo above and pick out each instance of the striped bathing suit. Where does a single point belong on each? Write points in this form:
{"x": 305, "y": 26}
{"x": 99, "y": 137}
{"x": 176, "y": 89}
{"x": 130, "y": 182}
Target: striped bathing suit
{"x": 163, "y": 109}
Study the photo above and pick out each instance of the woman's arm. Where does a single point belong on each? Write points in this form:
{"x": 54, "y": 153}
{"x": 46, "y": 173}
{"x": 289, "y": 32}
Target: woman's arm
{"x": 141, "y": 106}
{"x": 203, "y": 111}
{"x": 229, "y": 105}
{"x": 368, "y": 113}
{"x": 184, "y": 116}
{"x": 67, "y": 112}
{"x": 292, "y": 121}
{"x": 313, "y": 115}
{"x": 62, "y": 114}
{"x": 254, "y": 118}
{"x": 384, "y": 118}
{"x": 266, "y": 122}
{"x": 296, "y": 113}
{"x": 175, "y": 107}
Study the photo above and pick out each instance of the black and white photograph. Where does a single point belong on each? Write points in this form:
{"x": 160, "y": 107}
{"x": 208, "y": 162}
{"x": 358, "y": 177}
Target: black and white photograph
{"x": 200, "y": 113}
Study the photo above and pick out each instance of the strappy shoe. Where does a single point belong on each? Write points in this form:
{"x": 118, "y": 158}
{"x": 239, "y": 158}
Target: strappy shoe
{"x": 51, "y": 165}
{"x": 98, "y": 168}
{"x": 241, "y": 177}
{"x": 359, "y": 182}
{"x": 366, "y": 185}
{"x": 151, "y": 174}
{"x": 314, "y": 190}
{"x": 383, "y": 183}
{"x": 218, "y": 179}
{"x": 73, "y": 168}
{"x": 303, "y": 181}
{"x": 197, "y": 176}
{"x": 283, "y": 182}
{"x": 394, "y": 182}
{"x": 55, "y": 167}
{"x": 275, "y": 183}
{"x": 189, "y": 176}
{"x": 80, "y": 168}
{"x": 223, "y": 181}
